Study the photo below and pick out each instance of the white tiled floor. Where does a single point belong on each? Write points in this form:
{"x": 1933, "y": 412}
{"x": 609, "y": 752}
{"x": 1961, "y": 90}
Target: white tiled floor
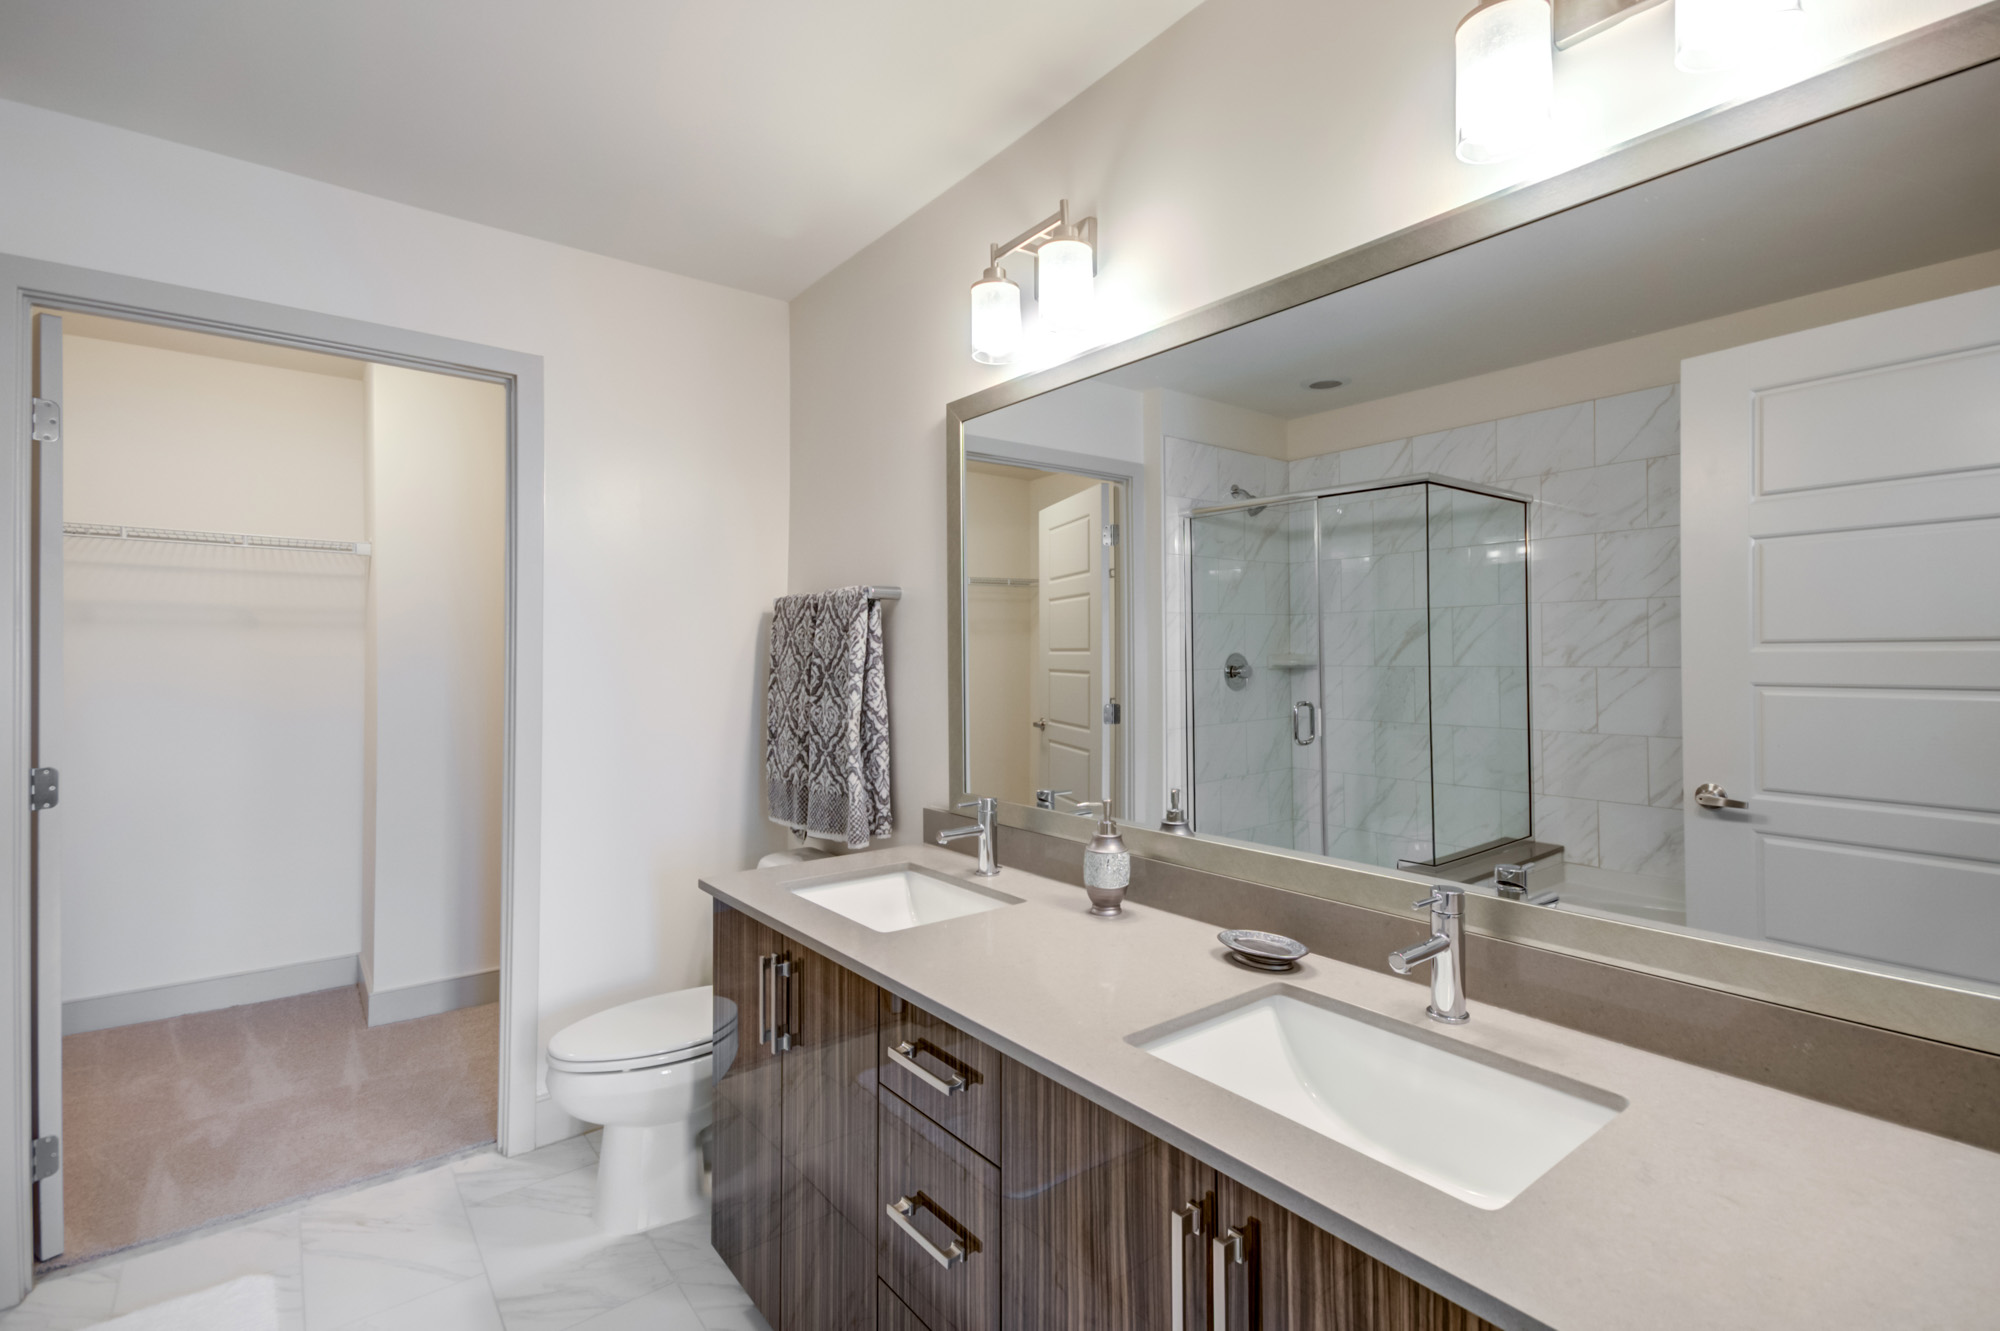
{"x": 483, "y": 1243}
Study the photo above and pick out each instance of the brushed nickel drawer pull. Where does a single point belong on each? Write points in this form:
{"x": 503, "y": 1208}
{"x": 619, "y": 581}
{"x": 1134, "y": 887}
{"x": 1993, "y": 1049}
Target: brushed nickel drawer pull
{"x": 763, "y": 999}
{"x": 904, "y": 1056}
{"x": 902, "y": 1209}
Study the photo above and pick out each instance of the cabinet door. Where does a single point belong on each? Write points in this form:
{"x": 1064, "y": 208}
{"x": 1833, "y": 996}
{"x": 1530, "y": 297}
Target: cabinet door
{"x": 829, "y": 1209}
{"x": 748, "y": 1122}
{"x": 1096, "y": 1215}
{"x": 1280, "y": 1273}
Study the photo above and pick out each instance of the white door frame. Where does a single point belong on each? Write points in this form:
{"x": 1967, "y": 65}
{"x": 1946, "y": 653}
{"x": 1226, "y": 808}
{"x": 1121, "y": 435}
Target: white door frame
{"x": 1132, "y": 680}
{"x": 30, "y": 284}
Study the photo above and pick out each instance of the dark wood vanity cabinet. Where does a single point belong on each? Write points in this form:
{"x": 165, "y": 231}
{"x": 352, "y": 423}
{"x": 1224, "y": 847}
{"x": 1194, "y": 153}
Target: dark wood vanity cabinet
{"x": 1016, "y": 1203}
{"x": 795, "y": 1131}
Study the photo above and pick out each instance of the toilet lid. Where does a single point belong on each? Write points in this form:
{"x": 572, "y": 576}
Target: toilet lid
{"x": 665, "y": 1028}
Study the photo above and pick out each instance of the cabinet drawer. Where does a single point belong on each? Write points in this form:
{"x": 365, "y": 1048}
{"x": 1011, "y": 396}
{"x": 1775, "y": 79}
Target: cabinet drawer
{"x": 937, "y": 1236}
{"x": 951, "y": 1078}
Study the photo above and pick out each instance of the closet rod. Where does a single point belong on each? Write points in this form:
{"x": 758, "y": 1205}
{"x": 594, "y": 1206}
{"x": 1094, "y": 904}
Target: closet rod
{"x": 174, "y": 536}
{"x": 1003, "y": 582}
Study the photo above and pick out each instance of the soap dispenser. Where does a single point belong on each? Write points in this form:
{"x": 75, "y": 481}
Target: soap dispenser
{"x": 1175, "y": 823}
{"x": 1107, "y": 866}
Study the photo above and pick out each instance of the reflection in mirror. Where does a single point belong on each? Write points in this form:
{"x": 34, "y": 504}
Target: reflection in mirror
{"x": 1357, "y": 684}
{"x": 1654, "y": 544}
{"x": 1042, "y": 623}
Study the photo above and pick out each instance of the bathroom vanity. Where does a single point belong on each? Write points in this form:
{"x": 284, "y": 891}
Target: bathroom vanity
{"x": 998, "y": 1116}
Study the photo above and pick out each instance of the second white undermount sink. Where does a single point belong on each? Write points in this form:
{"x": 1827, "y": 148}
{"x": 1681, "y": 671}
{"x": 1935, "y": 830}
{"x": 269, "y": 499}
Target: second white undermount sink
{"x": 1464, "y": 1124}
{"x": 895, "y": 899}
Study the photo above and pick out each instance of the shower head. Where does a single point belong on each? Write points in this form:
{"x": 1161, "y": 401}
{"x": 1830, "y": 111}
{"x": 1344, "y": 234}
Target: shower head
{"x": 1238, "y": 492}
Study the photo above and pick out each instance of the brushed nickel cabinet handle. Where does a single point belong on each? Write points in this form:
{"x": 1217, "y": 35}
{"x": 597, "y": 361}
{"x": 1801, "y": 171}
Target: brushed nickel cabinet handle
{"x": 904, "y": 1056}
{"x": 781, "y": 1036}
{"x": 764, "y": 961}
{"x": 902, "y": 1209}
{"x": 1184, "y": 1223}
{"x": 1225, "y": 1250}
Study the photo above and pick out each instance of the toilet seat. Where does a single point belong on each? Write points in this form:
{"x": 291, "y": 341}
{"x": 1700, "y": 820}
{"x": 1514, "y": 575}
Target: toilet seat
{"x": 652, "y": 1032}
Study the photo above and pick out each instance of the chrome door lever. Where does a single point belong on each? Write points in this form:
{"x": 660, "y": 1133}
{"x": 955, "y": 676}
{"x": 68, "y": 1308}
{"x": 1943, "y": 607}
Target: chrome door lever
{"x": 1711, "y": 796}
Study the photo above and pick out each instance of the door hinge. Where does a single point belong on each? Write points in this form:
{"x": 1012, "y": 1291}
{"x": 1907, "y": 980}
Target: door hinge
{"x": 46, "y": 421}
{"x": 42, "y": 787}
{"x": 44, "y": 1158}
{"x": 1110, "y": 534}
{"x": 1112, "y": 713}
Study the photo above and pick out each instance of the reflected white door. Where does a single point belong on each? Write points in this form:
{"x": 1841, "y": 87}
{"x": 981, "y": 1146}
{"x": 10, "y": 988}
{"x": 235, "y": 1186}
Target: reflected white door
{"x": 47, "y": 822}
{"x": 1841, "y": 636}
{"x": 1071, "y": 678}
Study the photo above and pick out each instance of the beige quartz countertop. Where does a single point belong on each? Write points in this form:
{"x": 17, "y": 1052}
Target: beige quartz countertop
{"x": 1708, "y": 1203}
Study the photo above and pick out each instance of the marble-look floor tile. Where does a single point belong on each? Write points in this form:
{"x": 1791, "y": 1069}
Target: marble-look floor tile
{"x": 553, "y": 1268}
{"x": 374, "y": 1250}
{"x": 664, "y": 1309}
{"x": 489, "y": 1173}
{"x": 465, "y": 1306}
{"x": 69, "y": 1301}
{"x": 266, "y": 1247}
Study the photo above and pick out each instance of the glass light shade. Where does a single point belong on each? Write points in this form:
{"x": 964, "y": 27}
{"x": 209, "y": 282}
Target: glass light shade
{"x": 996, "y": 320}
{"x": 1506, "y": 79}
{"x": 1721, "y": 34}
{"x": 1064, "y": 284}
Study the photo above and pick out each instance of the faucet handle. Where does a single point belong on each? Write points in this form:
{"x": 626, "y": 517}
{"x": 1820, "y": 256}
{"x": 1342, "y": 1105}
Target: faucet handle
{"x": 983, "y": 803}
{"x": 1444, "y": 898}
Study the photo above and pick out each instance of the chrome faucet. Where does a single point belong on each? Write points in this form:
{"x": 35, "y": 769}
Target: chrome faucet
{"x": 986, "y": 807}
{"x": 1445, "y": 950}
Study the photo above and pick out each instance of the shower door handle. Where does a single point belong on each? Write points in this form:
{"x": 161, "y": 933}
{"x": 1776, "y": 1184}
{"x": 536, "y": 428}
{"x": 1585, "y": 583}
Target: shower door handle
{"x": 1312, "y": 723}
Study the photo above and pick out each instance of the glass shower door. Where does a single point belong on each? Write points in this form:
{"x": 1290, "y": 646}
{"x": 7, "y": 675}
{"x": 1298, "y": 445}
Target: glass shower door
{"x": 1254, "y": 706}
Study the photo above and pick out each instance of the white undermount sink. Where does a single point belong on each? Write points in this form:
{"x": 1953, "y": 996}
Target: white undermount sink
{"x": 895, "y": 899}
{"x": 1479, "y": 1131}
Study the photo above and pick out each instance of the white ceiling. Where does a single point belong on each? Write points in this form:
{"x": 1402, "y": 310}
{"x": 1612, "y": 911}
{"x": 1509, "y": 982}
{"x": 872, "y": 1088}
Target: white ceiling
{"x": 1894, "y": 185}
{"x": 756, "y": 143}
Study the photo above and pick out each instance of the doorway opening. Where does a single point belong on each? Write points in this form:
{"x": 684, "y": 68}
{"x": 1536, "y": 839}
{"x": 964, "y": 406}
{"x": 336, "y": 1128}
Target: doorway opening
{"x": 272, "y": 664}
{"x": 1045, "y": 632}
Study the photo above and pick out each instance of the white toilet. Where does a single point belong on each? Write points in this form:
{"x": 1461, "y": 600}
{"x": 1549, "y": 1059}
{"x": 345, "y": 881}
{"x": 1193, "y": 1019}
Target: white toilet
{"x": 646, "y": 1071}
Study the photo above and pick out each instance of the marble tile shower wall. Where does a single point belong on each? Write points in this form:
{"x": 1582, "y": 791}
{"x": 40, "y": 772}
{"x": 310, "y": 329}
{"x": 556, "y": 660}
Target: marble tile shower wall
{"x": 1604, "y": 612}
{"x": 1242, "y": 782}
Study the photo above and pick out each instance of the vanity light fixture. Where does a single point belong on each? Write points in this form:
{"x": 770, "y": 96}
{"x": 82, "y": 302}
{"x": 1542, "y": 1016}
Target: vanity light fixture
{"x": 1065, "y": 255}
{"x": 1720, "y": 34}
{"x": 1506, "y": 79}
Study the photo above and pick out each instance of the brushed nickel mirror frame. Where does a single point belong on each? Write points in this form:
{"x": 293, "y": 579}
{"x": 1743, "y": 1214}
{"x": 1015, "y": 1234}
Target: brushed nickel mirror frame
{"x": 1913, "y": 1004}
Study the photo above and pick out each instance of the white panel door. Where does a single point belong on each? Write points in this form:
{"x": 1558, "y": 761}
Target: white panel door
{"x": 1841, "y": 636}
{"x": 1072, "y": 675}
{"x": 45, "y": 845}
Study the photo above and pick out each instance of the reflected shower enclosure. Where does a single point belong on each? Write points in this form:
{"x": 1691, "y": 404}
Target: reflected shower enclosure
{"x": 1358, "y": 666}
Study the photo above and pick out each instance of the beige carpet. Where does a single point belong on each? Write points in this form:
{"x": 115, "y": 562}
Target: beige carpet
{"x": 172, "y": 1124}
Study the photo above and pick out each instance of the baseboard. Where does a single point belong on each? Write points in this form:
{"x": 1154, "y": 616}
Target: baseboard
{"x": 386, "y": 1006}
{"x": 177, "y": 1000}
{"x": 552, "y": 1125}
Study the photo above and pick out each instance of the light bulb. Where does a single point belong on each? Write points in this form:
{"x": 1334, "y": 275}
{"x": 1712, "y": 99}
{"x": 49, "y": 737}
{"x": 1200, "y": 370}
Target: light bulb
{"x": 996, "y": 318}
{"x": 1064, "y": 283}
{"x": 1506, "y": 79}
{"x": 1720, "y": 34}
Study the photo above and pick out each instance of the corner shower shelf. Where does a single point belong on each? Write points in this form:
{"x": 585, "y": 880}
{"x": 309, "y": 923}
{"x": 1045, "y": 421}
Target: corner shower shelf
{"x": 1293, "y": 661}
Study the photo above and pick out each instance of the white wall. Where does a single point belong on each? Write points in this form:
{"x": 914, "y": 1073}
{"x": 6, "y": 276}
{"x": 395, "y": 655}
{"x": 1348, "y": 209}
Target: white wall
{"x": 212, "y": 754}
{"x": 437, "y": 504}
{"x": 1000, "y": 631}
{"x": 1251, "y": 139}
{"x": 666, "y": 496}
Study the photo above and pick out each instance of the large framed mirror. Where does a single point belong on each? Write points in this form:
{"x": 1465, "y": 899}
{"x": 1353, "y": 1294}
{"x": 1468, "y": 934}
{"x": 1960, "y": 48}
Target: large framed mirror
{"x": 1640, "y": 530}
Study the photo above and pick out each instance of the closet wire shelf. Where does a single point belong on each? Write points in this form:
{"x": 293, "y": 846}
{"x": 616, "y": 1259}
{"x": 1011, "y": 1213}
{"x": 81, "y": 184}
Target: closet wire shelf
{"x": 175, "y": 536}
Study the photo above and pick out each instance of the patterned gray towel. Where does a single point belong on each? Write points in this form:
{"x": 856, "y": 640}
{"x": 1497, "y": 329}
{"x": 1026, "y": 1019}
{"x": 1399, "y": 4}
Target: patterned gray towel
{"x": 826, "y": 717}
